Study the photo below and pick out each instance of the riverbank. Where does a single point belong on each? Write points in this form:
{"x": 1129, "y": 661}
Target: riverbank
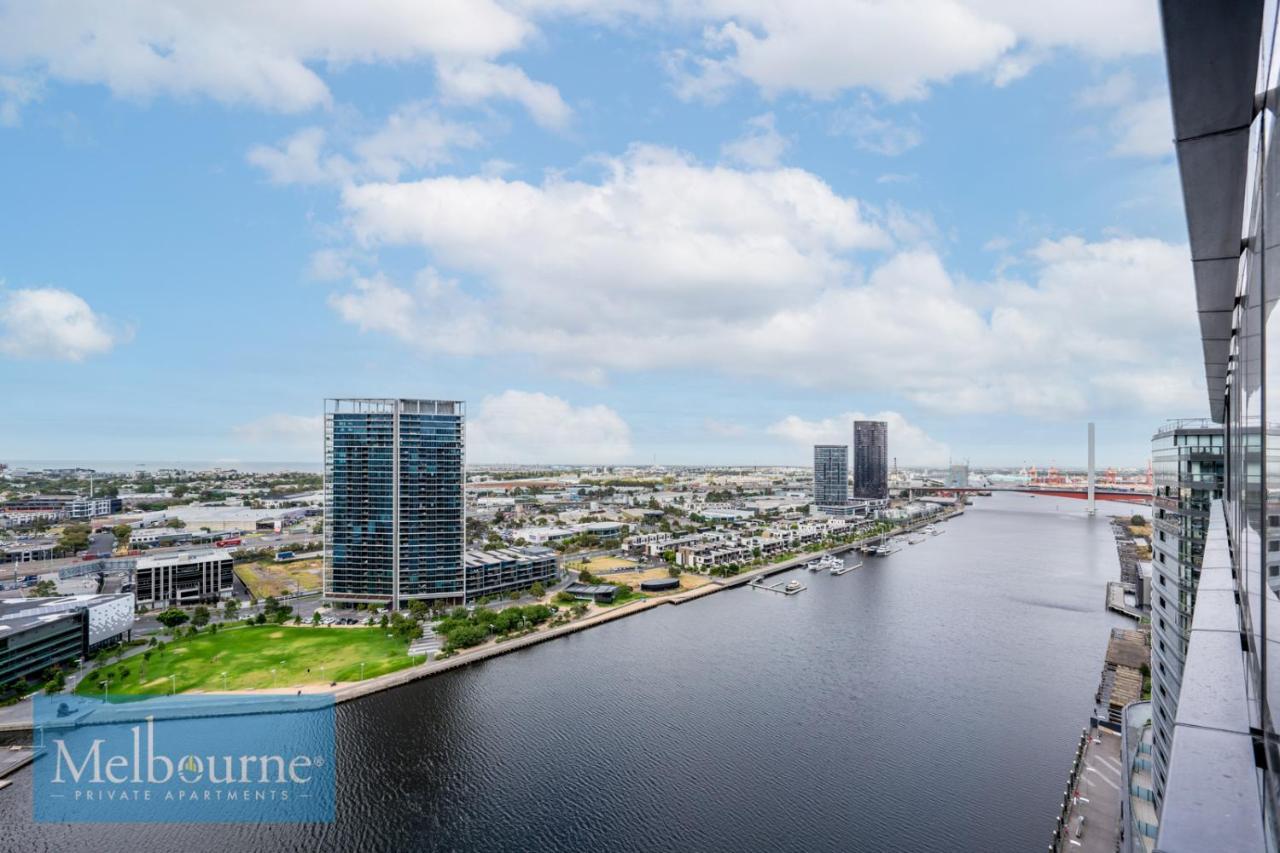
{"x": 348, "y": 691}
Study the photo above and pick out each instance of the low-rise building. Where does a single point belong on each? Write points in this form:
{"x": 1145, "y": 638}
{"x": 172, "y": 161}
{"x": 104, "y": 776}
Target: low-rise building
{"x": 508, "y": 569}
{"x": 188, "y": 577}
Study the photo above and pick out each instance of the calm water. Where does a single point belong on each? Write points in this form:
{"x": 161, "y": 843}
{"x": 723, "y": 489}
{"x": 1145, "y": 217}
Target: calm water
{"x": 929, "y": 701}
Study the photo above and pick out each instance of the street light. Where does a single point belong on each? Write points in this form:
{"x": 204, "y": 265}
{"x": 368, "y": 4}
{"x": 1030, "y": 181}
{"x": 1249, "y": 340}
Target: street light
{"x": 104, "y": 688}
{"x": 362, "y": 670}
{"x": 173, "y": 680}
{"x": 273, "y": 677}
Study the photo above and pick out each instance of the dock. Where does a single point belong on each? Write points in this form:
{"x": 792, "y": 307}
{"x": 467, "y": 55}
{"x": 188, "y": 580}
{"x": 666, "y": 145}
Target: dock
{"x": 1115, "y": 599}
{"x": 778, "y": 587}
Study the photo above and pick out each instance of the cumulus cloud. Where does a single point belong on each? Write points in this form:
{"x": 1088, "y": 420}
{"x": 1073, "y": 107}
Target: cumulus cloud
{"x": 908, "y": 443}
{"x": 901, "y": 49}
{"x": 762, "y": 146}
{"x": 263, "y": 54}
{"x": 414, "y": 138}
{"x": 48, "y": 323}
{"x": 476, "y": 81}
{"x": 523, "y": 426}
{"x": 663, "y": 263}
{"x": 284, "y": 432}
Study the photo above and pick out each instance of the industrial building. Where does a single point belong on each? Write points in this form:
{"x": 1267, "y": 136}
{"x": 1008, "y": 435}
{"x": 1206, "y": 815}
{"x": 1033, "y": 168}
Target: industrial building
{"x": 37, "y": 633}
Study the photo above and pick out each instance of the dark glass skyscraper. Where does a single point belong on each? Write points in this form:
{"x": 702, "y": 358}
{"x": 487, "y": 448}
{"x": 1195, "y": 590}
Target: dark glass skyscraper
{"x": 870, "y": 460}
{"x": 394, "y": 515}
{"x": 830, "y": 475}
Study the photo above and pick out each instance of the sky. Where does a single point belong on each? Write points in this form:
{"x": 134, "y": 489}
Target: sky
{"x": 673, "y": 232}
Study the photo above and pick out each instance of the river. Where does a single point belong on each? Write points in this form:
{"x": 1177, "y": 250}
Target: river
{"x": 929, "y": 701}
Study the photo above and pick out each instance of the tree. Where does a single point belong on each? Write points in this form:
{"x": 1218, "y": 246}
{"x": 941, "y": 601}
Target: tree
{"x": 200, "y": 616}
{"x": 123, "y": 533}
{"x": 175, "y": 523}
{"x": 43, "y": 589}
{"x": 230, "y": 607}
{"x": 171, "y": 618}
{"x": 1138, "y": 520}
{"x": 315, "y": 618}
{"x": 75, "y": 537}
{"x": 178, "y": 490}
{"x": 537, "y": 590}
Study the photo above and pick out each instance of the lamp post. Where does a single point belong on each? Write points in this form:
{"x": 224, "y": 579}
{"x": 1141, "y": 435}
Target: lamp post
{"x": 173, "y": 681}
{"x": 224, "y": 681}
{"x": 362, "y": 670}
{"x": 104, "y": 688}
{"x": 273, "y": 677}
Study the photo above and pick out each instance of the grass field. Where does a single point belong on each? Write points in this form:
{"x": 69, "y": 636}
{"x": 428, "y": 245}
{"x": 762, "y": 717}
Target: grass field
{"x": 688, "y": 580}
{"x": 300, "y": 655}
{"x": 264, "y": 579}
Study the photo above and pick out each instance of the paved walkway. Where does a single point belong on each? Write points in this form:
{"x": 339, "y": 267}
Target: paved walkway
{"x": 1094, "y": 820}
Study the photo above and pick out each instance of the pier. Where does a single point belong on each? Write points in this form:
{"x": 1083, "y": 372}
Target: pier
{"x": 777, "y": 587}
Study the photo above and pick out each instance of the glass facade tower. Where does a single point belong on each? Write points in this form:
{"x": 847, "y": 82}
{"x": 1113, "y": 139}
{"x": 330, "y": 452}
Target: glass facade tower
{"x": 394, "y": 522}
{"x": 831, "y": 475}
{"x": 1187, "y": 467}
{"x": 870, "y": 460}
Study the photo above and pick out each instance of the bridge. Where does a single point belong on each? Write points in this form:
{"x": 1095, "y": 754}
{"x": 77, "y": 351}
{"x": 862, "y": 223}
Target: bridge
{"x": 1057, "y": 491}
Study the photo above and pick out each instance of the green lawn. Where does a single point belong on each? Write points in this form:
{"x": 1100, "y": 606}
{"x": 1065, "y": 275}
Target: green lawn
{"x": 248, "y": 654}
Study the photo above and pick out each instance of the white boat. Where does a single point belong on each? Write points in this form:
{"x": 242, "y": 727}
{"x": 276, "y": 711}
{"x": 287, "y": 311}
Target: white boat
{"x": 842, "y": 568}
{"x": 815, "y": 566}
{"x": 830, "y": 562}
{"x": 887, "y": 549}
{"x": 792, "y": 585}
{"x": 915, "y": 539}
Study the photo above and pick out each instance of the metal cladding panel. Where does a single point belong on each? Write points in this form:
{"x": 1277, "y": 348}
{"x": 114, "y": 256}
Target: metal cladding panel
{"x": 1211, "y": 50}
{"x": 110, "y": 618}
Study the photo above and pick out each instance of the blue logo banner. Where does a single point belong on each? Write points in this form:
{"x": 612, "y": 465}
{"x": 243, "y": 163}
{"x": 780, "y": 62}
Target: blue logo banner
{"x": 185, "y": 759}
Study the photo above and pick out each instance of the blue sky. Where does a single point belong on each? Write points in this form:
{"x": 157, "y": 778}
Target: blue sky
{"x": 704, "y": 231}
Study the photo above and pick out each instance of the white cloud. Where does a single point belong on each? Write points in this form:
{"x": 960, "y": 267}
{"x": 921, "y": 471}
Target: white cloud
{"x": 1139, "y": 126}
{"x": 475, "y": 81}
{"x": 908, "y": 443}
{"x": 1144, "y": 129}
{"x": 659, "y": 240}
{"x": 15, "y": 93}
{"x": 664, "y": 263}
{"x": 50, "y": 323}
{"x": 521, "y": 426}
{"x": 284, "y": 432}
{"x": 899, "y": 49}
{"x": 264, "y": 54}
{"x": 874, "y": 133}
{"x": 762, "y": 146}
{"x": 414, "y": 137}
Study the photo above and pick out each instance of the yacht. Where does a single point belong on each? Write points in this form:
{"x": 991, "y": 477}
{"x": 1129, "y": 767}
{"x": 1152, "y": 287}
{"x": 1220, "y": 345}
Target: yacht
{"x": 830, "y": 562}
{"x": 932, "y": 530}
{"x": 843, "y": 567}
{"x": 915, "y": 539}
{"x": 890, "y": 547}
{"x": 793, "y": 585}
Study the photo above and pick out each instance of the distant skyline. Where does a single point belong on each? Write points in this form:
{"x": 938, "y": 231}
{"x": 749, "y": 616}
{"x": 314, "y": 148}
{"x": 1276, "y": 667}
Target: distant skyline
{"x": 683, "y": 232}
